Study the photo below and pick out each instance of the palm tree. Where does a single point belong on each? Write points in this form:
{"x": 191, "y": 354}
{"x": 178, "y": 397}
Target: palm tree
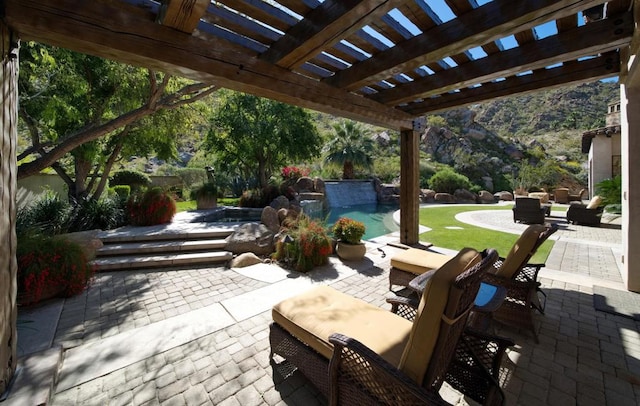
{"x": 350, "y": 147}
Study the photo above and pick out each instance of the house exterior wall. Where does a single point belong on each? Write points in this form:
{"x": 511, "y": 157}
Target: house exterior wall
{"x": 8, "y": 172}
{"x": 630, "y": 126}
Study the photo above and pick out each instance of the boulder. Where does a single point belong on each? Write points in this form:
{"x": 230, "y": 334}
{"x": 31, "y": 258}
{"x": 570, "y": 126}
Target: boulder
{"x": 87, "y": 240}
{"x": 251, "y": 237}
{"x": 304, "y": 184}
{"x": 427, "y": 196}
{"x": 280, "y": 202}
{"x": 485, "y": 197}
{"x": 444, "y": 198}
{"x": 504, "y": 195}
{"x": 464, "y": 196}
{"x": 245, "y": 259}
{"x": 269, "y": 218}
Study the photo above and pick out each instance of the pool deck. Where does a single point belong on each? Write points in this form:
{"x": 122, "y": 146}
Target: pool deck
{"x": 199, "y": 336}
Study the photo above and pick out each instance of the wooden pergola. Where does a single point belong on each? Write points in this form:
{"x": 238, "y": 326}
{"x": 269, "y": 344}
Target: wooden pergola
{"x": 384, "y": 62}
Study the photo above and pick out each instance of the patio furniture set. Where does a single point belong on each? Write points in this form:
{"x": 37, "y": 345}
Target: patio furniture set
{"x": 534, "y": 208}
{"x": 437, "y": 329}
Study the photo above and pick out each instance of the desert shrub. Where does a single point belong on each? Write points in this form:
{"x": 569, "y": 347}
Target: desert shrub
{"x": 123, "y": 191}
{"x": 135, "y": 179}
{"x": 49, "y": 266}
{"x": 49, "y": 215}
{"x": 261, "y": 197}
{"x": 309, "y": 246}
{"x": 154, "y": 206}
{"x": 447, "y": 181}
{"x": 105, "y": 214}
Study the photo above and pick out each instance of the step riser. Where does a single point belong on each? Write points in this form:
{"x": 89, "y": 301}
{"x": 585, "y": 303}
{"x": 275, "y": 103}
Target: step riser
{"x": 160, "y": 247}
{"x": 123, "y": 239}
{"x": 141, "y": 262}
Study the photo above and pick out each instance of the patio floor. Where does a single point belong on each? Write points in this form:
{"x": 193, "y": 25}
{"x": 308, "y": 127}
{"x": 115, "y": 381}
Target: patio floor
{"x": 200, "y": 336}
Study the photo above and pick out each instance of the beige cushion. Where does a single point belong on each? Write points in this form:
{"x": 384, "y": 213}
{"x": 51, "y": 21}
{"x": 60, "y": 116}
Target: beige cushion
{"x": 316, "y": 314}
{"x": 543, "y": 196}
{"x": 520, "y": 251}
{"x": 418, "y": 261}
{"x": 595, "y": 202}
{"x": 426, "y": 327}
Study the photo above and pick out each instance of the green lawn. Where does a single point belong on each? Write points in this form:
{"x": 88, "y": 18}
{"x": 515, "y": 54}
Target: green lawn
{"x": 437, "y": 218}
{"x": 191, "y": 204}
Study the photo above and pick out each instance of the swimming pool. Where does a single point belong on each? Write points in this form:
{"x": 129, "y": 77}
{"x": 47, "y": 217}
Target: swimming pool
{"x": 377, "y": 218}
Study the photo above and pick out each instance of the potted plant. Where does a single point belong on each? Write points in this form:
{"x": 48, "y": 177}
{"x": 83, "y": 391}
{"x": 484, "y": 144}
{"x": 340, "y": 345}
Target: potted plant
{"x": 348, "y": 233}
{"x": 205, "y": 195}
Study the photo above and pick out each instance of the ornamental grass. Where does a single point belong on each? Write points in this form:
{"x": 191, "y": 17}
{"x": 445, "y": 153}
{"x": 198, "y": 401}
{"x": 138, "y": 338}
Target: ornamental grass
{"x": 309, "y": 246}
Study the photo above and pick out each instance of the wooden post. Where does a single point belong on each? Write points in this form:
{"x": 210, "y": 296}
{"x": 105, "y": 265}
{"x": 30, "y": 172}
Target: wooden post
{"x": 409, "y": 185}
{"x": 8, "y": 174}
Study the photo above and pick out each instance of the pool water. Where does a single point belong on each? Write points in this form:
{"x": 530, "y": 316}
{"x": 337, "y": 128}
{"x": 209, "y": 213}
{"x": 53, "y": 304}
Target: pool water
{"x": 377, "y": 218}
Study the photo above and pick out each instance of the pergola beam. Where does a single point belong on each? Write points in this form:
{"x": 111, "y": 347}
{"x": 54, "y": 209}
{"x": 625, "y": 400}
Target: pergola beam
{"x": 182, "y": 15}
{"x": 600, "y": 67}
{"x": 323, "y": 27}
{"x": 599, "y": 37}
{"x": 475, "y": 28}
{"x": 129, "y": 39}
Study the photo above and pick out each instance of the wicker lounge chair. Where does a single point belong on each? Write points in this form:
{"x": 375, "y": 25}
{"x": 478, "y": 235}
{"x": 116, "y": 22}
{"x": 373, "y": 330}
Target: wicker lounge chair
{"x": 528, "y": 210}
{"x": 521, "y": 279}
{"x": 561, "y": 195}
{"x": 412, "y": 262}
{"x": 387, "y": 359}
{"x": 578, "y": 197}
{"x": 588, "y": 215}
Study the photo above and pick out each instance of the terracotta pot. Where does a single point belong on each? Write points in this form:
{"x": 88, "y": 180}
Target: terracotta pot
{"x": 350, "y": 252}
{"x": 208, "y": 202}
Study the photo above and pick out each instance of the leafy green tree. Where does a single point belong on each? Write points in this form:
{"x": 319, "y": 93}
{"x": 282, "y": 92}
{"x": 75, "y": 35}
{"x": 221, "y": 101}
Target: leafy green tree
{"x": 350, "y": 147}
{"x": 258, "y": 136}
{"x": 82, "y": 113}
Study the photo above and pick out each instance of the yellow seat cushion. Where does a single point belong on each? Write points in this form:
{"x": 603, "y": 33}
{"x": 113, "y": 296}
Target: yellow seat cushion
{"x": 418, "y": 261}
{"x": 520, "y": 251}
{"x": 427, "y": 324}
{"x": 595, "y": 202}
{"x": 316, "y": 314}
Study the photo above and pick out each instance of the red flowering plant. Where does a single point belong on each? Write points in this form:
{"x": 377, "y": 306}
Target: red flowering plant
{"x": 294, "y": 172}
{"x": 50, "y": 267}
{"x": 154, "y": 206}
{"x": 307, "y": 246}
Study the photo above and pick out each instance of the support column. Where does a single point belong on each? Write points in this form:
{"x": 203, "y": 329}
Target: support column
{"x": 8, "y": 176}
{"x": 410, "y": 186}
{"x": 630, "y": 137}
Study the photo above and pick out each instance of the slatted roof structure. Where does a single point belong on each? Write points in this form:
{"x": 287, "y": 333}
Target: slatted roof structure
{"x": 381, "y": 62}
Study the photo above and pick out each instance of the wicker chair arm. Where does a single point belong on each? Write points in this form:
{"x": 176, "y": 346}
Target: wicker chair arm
{"x": 355, "y": 370}
{"x": 406, "y": 307}
{"x": 529, "y": 273}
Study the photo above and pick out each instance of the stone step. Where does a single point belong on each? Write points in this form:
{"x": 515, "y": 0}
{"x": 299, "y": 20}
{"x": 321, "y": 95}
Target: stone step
{"x": 163, "y": 246}
{"x": 127, "y": 262}
{"x": 127, "y": 235}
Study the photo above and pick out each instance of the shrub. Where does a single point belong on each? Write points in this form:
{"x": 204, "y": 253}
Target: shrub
{"x": 123, "y": 191}
{"x": 348, "y": 230}
{"x": 50, "y": 215}
{"x": 309, "y": 246}
{"x": 260, "y": 197}
{"x": 294, "y": 172}
{"x": 610, "y": 190}
{"x": 448, "y": 181}
{"x": 191, "y": 176}
{"x": 152, "y": 207}
{"x": 105, "y": 214}
{"x": 50, "y": 266}
{"x": 204, "y": 190}
{"x": 135, "y": 179}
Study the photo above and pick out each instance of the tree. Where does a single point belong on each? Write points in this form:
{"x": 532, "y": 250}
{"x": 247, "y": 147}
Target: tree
{"x": 350, "y": 147}
{"x": 82, "y": 112}
{"x": 258, "y": 136}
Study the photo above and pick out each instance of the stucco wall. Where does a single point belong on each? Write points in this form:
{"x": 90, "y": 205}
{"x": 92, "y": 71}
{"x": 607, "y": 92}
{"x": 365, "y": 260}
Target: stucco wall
{"x": 8, "y": 266}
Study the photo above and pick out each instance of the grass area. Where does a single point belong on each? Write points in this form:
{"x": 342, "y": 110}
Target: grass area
{"x": 191, "y": 204}
{"x": 437, "y": 218}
